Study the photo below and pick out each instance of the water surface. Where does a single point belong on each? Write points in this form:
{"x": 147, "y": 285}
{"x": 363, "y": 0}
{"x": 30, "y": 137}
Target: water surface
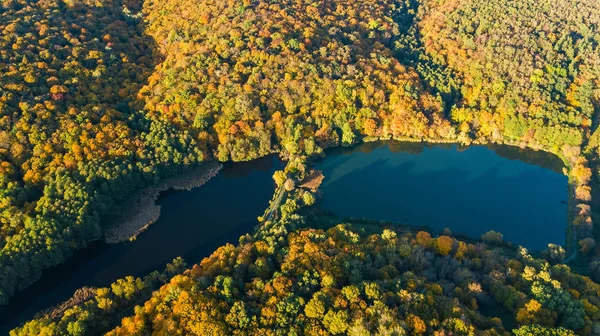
{"x": 470, "y": 191}
{"x": 522, "y": 194}
{"x": 192, "y": 225}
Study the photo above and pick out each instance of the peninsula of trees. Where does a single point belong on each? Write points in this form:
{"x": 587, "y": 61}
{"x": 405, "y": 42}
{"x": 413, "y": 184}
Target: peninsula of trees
{"x": 305, "y": 273}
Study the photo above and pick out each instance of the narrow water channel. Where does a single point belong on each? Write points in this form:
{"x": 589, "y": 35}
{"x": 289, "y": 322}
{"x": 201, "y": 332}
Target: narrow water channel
{"x": 192, "y": 225}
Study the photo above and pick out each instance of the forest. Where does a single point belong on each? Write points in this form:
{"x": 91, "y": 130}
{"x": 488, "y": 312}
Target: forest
{"x": 101, "y": 98}
{"x": 306, "y": 273}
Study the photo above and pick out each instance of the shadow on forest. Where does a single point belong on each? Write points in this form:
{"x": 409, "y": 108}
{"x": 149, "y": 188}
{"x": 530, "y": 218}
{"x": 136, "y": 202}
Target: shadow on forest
{"x": 409, "y": 50}
{"x": 129, "y": 56}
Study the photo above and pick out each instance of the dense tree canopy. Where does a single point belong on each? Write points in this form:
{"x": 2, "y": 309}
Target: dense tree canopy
{"x": 528, "y": 70}
{"x": 340, "y": 280}
{"x": 70, "y": 144}
{"x": 100, "y": 98}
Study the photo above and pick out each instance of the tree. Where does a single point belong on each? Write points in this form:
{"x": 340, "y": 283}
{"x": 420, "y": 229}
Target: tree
{"x": 424, "y": 238}
{"x": 348, "y": 136}
{"x": 336, "y": 321}
{"x": 594, "y": 269}
{"x": 279, "y": 177}
{"x": 444, "y": 245}
{"x": 308, "y": 198}
{"x": 542, "y": 331}
{"x": 492, "y": 237}
{"x": 587, "y": 245}
{"x": 289, "y": 184}
{"x": 416, "y": 324}
{"x": 554, "y": 253}
{"x": 315, "y": 308}
{"x": 238, "y": 316}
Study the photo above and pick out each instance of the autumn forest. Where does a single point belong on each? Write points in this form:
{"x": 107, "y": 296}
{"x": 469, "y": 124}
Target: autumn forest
{"x": 101, "y": 99}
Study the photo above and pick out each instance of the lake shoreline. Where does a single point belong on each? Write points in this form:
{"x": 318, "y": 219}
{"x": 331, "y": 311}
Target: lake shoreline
{"x": 202, "y": 174}
{"x": 142, "y": 210}
{"x": 562, "y": 165}
{"x": 571, "y": 235}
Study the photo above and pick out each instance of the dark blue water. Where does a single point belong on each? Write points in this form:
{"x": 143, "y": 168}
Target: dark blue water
{"x": 192, "y": 225}
{"x": 468, "y": 190}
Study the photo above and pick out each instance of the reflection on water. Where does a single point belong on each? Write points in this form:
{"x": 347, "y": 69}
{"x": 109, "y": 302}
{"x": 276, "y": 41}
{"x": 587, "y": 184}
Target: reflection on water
{"x": 538, "y": 158}
{"x": 192, "y": 224}
{"x": 470, "y": 190}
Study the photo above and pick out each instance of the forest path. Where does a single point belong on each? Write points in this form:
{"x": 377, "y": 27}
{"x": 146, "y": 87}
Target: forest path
{"x": 275, "y": 205}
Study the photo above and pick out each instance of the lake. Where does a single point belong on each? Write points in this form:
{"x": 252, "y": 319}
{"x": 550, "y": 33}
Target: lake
{"x": 469, "y": 190}
{"x": 521, "y": 193}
